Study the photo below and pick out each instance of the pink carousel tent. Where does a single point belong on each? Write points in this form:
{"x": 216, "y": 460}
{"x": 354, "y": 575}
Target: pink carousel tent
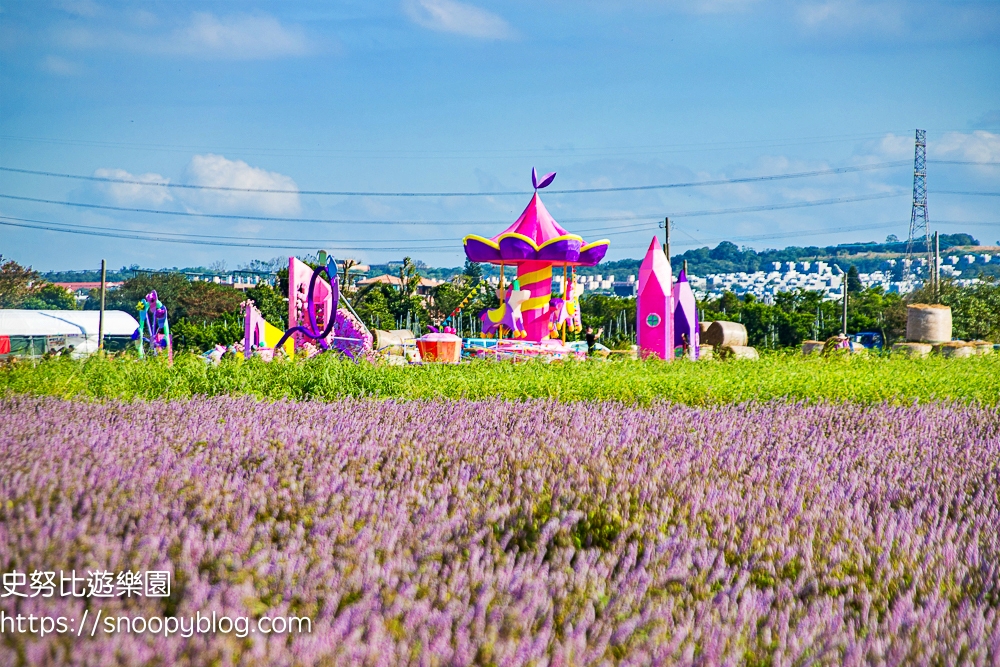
{"x": 535, "y": 243}
{"x": 535, "y": 236}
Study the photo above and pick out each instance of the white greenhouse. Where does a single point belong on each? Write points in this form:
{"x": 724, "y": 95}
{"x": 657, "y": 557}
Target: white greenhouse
{"x": 32, "y": 333}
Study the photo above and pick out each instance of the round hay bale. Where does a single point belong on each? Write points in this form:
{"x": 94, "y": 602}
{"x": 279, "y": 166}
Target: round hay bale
{"x": 982, "y": 346}
{"x": 726, "y": 334}
{"x": 706, "y": 353}
{"x": 955, "y": 350}
{"x": 703, "y": 329}
{"x": 928, "y": 323}
{"x": 738, "y": 352}
{"x": 812, "y": 347}
{"x": 394, "y": 342}
{"x": 912, "y": 349}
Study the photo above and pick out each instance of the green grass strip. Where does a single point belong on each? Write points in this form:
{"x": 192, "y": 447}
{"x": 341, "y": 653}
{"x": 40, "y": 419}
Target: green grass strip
{"x": 775, "y": 376}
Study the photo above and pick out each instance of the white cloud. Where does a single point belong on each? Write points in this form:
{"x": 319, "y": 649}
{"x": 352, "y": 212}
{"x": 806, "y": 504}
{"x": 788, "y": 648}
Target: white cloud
{"x": 678, "y": 6}
{"x": 240, "y": 37}
{"x": 84, "y": 8}
{"x": 457, "y": 17}
{"x": 978, "y": 146}
{"x": 134, "y": 193}
{"x": 216, "y": 171}
{"x": 204, "y": 35}
{"x": 60, "y": 66}
{"x": 853, "y": 16}
{"x": 894, "y": 147}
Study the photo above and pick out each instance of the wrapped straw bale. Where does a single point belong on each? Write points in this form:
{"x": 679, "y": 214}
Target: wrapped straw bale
{"x": 928, "y": 323}
{"x": 912, "y": 349}
{"x": 394, "y": 342}
{"x": 738, "y": 352}
{"x": 726, "y": 334}
{"x": 982, "y": 346}
{"x": 812, "y": 347}
{"x": 702, "y": 330}
{"x": 955, "y": 350}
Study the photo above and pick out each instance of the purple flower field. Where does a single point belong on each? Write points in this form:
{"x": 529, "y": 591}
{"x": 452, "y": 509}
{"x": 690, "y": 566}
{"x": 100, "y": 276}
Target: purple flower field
{"x": 507, "y": 533}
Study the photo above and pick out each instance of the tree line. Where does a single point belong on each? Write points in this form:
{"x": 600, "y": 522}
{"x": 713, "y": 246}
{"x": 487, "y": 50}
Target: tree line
{"x": 204, "y": 314}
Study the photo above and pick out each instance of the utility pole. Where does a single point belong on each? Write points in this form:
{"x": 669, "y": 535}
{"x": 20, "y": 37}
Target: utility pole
{"x": 937, "y": 268}
{"x": 100, "y": 319}
{"x": 844, "y": 319}
{"x": 665, "y": 226}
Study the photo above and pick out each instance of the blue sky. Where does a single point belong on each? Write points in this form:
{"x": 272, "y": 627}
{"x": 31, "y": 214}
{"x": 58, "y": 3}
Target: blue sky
{"x": 448, "y": 95}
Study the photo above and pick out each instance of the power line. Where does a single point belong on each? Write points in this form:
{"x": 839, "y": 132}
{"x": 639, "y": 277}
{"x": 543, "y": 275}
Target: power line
{"x": 222, "y": 237}
{"x": 167, "y": 237}
{"x": 965, "y": 162}
{"x": 515, "y": 153}
{"x": 224, "y": 216}
{"x": 346, "y": 193}
{"x": 755, "y": 209}
{"x": 192, "y": 239}
{"x": 973, "y": 194}
{"x": 682, "y": 214}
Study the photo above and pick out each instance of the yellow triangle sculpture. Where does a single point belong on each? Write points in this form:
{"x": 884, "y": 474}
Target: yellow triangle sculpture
{"x": 273, "y": 334}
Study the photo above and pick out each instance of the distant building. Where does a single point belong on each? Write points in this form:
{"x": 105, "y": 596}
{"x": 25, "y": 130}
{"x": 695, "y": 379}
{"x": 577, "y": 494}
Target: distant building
{"x": 81, "y": 291}
{"x": 625, "y": 289}
{"x": 423, "y": 288}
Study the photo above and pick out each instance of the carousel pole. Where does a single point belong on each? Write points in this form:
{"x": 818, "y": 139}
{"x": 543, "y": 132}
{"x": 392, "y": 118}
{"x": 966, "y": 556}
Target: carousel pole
{"x": 500, "y": 327}
{"x": 565, "y": 301}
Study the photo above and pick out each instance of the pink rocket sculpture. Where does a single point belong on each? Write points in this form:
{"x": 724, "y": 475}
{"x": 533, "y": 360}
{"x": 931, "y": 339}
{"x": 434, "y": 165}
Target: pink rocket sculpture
{"x": 685, "y": 317}
{"x": 535, "y": 243}
{"x": 654, "y": 312}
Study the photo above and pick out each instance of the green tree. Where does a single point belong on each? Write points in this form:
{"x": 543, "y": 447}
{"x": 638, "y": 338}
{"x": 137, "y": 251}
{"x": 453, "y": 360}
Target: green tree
{"x": 168, "y": 286}
{"x": 444, "y": 299}
{"x": 50, "y": 297}
{"x": 17, "y": 283}
{"x": 463, "y": 289}
{"x": 23, "y": 287}
{"x": 473, "y": 271}
{"x": 384, "y": 306}
{"x": 975, "y": 310}
{"x": 728, "y": 302}
{"x": 616, "y": 315}
{"x": 853, "y": 280}
{"x": 199, "y": 301}
{"x": 197, "y": 337}
{"x": 205, "y": 301}
{"x": 800, "y": 315}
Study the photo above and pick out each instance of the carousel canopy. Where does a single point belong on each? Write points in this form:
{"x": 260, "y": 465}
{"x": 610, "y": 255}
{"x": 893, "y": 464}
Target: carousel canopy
{"x": 535, "y": 236}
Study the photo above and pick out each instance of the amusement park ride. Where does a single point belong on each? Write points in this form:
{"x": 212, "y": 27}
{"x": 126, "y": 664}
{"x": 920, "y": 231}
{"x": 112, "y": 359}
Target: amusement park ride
{"x": 535, "y": 320}
{"x": 529, "y": 321}
{"x": 667, "y": 319}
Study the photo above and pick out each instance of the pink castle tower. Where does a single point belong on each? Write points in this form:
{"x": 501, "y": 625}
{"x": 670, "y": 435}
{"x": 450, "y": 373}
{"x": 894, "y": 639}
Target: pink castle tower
{"x": 654, "y": 311}
{"x": 685, "y": 317}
